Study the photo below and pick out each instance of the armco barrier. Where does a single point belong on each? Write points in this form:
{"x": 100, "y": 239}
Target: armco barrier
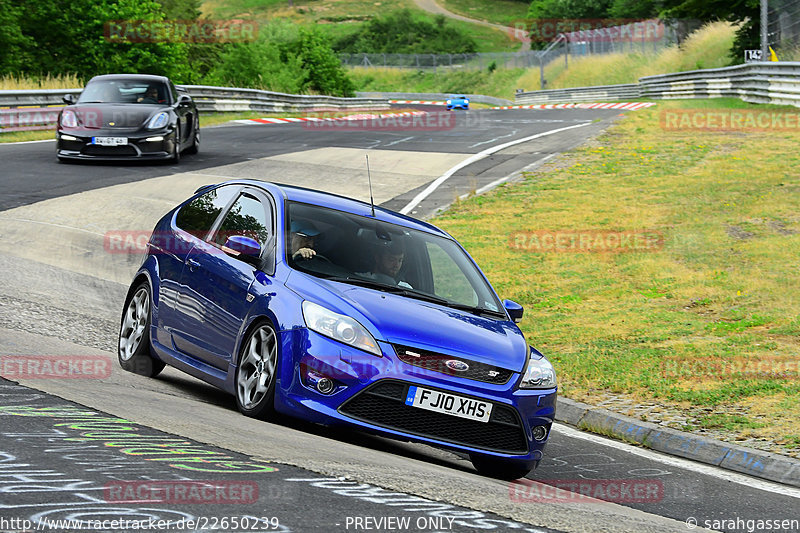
{"x": 600, "y": 93}
{"x": 479, "y": 98}
{"x": 763, "y": 83}
{"x": 38, "y": 109}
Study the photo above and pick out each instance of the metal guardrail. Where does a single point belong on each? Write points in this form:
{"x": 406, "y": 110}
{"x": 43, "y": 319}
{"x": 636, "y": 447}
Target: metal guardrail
{"x": 38, "y": 109}
{"x": 761, "y": 83}
{"x": 478, "y": 98}
{"x": 581, "y": 94}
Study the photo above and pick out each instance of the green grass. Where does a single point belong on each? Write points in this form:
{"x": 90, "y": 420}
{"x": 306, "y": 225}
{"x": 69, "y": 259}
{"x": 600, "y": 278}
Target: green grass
{"x": 679, "y": 322}
{"x": 495, "y": 83}
{"x": 343, "y": 16}
{"x": 505, "y": 12}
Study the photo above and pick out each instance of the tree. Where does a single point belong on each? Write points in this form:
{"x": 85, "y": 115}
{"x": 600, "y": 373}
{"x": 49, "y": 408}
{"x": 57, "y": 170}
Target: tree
{"x": 70, "y": 38}
{"x": 14, "y": 45}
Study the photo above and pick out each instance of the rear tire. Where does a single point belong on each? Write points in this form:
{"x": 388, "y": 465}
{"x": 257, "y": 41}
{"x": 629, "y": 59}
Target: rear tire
{"x": 134, "y": 334}
{"x": 501, "y": 469}
{"x": 257, "y": 372}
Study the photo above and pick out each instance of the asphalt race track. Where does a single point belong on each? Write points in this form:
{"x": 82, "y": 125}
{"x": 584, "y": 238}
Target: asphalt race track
{"x": 96, "y": 449}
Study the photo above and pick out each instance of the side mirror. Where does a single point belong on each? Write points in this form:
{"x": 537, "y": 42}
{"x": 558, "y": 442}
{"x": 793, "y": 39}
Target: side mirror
{"x": 244, "y": 248}
{"x": 515, "y": 311}
{"x": 69, "y": 99}
{"x": 184, "y": 99}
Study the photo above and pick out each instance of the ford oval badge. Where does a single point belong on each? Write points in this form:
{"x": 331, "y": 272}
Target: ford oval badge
{"x": 458, "y": 366}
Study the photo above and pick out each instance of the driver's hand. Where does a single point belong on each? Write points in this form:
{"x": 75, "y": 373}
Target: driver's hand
{"x": 304, "y": 253}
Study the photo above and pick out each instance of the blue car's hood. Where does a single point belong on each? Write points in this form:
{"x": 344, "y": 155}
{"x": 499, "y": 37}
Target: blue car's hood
{"x": 416, "y": 323}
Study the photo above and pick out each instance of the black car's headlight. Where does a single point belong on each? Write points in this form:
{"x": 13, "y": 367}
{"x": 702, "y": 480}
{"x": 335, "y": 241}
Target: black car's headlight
{"x": 539, "y": 374}
{"x": 69, "y": 119}
{"x": 339, "y": 327}
{"x": 158, "y": 121}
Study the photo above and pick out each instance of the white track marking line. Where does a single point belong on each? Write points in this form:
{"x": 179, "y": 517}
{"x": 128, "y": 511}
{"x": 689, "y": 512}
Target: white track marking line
{"x": 28, "y": 142}
{"x": 477, "y": 157}
{"x": 680, "y": 462}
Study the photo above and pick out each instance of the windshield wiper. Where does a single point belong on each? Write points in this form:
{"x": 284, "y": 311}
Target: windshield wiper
{"x": 394, "y": 289}
{"x": 419, "y": 295}
{"x": 476, "y": 310}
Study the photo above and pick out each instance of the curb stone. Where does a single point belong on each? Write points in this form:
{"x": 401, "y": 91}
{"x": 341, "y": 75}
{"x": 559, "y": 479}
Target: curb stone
{"x": 757, "y": 463}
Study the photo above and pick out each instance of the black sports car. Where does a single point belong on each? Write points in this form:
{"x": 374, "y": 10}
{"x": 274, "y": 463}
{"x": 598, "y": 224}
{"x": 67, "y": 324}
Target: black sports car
{"x": 128, "y": 116}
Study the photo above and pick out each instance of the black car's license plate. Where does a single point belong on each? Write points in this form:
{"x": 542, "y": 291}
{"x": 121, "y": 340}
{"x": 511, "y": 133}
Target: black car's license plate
{"x": 110, "y": 141}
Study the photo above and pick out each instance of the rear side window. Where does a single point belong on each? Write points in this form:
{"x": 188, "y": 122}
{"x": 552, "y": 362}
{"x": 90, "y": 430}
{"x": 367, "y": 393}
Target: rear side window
{"x": 199, "y": 215}
{"x": 246, "y": 217}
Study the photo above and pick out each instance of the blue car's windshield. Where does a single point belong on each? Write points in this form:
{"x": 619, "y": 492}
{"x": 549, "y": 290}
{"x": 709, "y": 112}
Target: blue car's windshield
{"x": 363, "y": 251}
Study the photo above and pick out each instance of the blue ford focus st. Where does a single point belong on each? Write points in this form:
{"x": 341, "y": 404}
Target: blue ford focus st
{"x": 317, "y": 306}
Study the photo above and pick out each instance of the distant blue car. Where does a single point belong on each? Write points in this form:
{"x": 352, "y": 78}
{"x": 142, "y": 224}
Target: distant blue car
{"x": 314, "y": 305}
{"x": 458, "y": 102}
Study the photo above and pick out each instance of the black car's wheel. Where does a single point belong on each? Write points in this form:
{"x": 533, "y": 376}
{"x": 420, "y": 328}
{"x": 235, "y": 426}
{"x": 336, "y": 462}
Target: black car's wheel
{"x": 176, "y": 151}
{"x": 134, "y": 334}
{"x": 500, "y": 469}
{"x": 257, "y": 372}
{"x": 195, "y": 147}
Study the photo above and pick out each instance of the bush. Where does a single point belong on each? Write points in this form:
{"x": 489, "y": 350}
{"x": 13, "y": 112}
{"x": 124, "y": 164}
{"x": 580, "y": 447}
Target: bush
{"x": 300, "y": 62}
{"x": 400, "y": 32}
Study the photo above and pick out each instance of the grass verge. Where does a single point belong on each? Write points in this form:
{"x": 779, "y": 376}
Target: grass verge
{"x": 708, "y": 322}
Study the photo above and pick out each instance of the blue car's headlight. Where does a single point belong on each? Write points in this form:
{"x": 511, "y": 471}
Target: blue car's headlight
{"x": 539, "y": 374}
{"x": 158, "y": 121}
{"x": 339, "y": 327}
{"x": 449, "y": 102}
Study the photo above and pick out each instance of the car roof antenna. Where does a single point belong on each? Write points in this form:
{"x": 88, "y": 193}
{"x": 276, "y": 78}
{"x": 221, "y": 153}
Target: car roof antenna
{"x": 369, "y": 179}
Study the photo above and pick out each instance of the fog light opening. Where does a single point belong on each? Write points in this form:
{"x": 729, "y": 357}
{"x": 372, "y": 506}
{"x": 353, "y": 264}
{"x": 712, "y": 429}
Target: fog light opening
{"x": 322, "y": 384}
{"x": 65, "y": 137}
{"x": 539, "y": 433}
{"x": 159, "y": 138}
{"x": 325, "y": 385}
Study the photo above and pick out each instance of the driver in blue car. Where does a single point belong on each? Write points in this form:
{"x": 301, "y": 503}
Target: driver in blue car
{"x": 303, "y": 236}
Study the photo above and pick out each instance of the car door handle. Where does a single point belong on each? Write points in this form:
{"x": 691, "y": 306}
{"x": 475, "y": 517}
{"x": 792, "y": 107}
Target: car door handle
{"x": 192, "y": 264}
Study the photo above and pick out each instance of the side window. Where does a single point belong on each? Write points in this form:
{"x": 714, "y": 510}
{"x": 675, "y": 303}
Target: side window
{"x": 199, "y": 215}
{"x": 247, "y": 217}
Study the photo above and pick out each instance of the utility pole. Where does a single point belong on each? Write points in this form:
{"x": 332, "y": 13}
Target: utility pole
{"x": 764, "y": 42}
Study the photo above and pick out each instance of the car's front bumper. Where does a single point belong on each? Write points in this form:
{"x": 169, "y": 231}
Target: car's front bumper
{"x": 370, "y": 392}
{"x": 154, "y": 145}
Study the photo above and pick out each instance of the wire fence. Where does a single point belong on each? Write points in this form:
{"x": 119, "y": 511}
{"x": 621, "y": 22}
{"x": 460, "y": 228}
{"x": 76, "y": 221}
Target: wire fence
{"x": 783, "y": 24}
{"x": 443, "y": 61}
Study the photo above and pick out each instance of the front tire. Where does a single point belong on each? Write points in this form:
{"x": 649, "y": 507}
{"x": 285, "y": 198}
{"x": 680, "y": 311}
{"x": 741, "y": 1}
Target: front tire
{"x": 195, "y": 147}
{"x": 176, "y": 152}
{"x": 500, "y": 469}
{"x": 257, "y": 373}
{"x": 134, "y": 334}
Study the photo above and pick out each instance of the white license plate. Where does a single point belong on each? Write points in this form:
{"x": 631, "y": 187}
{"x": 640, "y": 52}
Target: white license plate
{"x": 110, "y": 141}
{"x": 450, "y": 404}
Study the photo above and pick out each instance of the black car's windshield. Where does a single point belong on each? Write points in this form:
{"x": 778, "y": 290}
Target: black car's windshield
{"x": 124, "y": 91}
{"x": 363, "y": 251}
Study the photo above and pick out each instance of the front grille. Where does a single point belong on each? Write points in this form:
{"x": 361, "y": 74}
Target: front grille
{"x": 383, "y": 404}
{"x": 124, "y": 151}
{"x": 438, "y": 363}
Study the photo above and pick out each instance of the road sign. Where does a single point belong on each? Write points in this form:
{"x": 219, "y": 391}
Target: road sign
{"x": 752, "y": 56}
